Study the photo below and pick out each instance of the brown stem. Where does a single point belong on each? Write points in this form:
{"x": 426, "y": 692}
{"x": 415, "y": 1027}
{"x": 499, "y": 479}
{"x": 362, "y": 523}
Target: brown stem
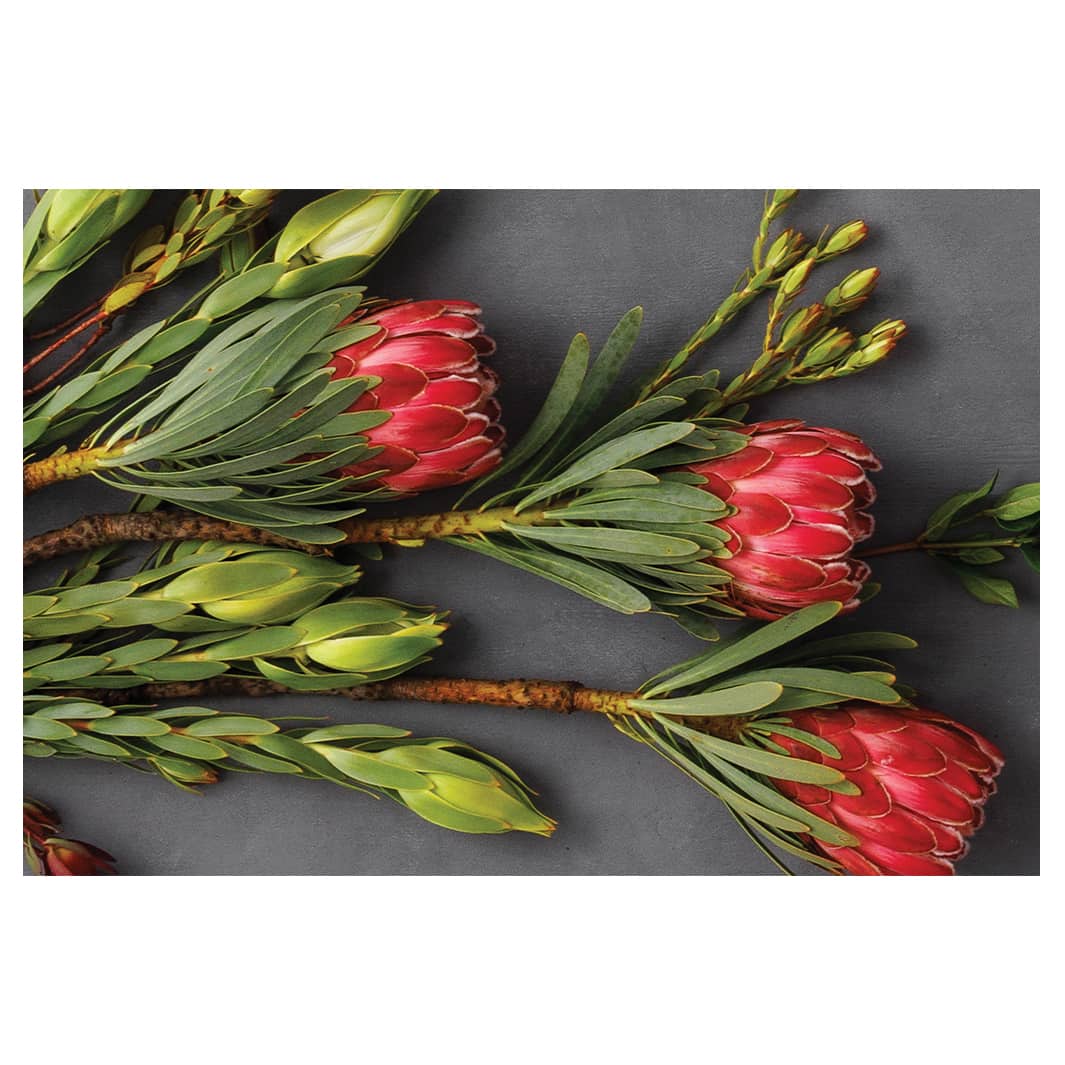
{"x": 79, "y": 328}
{"x": 101, "y": 529}
{"x": 101, "y": 330}
{"x": 944, "y": 545}
{"x": 97, "y": 530}
{"x": 76, "y": 317}
{"x": 890, "y": 549}
{"x": 561, "y": 697}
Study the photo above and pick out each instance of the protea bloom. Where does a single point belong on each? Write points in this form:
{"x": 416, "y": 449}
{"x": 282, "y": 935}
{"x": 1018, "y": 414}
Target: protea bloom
{"x": 51, "y": 855}
{"x": 800, "y": 495}
{"x": 922, "y": 782}
{"x": 444, "y": 428}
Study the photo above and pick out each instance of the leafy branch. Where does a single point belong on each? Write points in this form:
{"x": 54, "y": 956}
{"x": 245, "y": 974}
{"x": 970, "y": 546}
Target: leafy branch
{"x": 1008, "y": 522}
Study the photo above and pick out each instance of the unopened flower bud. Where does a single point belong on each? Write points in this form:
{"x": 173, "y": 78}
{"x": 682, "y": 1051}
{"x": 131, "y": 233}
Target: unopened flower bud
{"x": 781, "y": 198}
{"x": 852, "y": 291}
{"x": 338, "y": 238}
{"x": 799, "y": 326}
{"x": 793, "y": 281}
{"x": 845, "y": 238}
{"x": 876, "y": 344}
{"x": 784, "y": 249}
{"x": 828, "y": 348}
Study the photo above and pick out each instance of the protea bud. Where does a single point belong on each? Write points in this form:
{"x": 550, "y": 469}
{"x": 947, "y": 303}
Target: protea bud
{"x": 444, "y": 427}
{"x": 852, "y": 291}
{"x": 67, "y": 228}
{"x": 800, "y": 496}
{"x": 50, "y": 855}
{"x": 339, "y": 237}
{"x": 921, "y": 779}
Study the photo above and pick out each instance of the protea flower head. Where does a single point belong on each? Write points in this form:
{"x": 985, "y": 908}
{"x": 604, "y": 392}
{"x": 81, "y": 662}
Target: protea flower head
{"x": 444, "y": 427}
{"x": 922, "y": 780}
{"x": 50, "y": 855}
{"x": 800, "y": 496}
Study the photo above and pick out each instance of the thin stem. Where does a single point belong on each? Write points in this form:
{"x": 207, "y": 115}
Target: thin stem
{"x": 56, "y": 344}
{"x": 101, "y": 330}
{"x": 944, "y": 545}
{"x": 76, "y": 317}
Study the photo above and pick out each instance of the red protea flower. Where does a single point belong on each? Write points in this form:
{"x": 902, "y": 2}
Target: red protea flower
{"x": 922, "y": 782}
{"x": 444, "y": 428}
{"x": 51, "y": 855}
{"x": 800, "y": 495}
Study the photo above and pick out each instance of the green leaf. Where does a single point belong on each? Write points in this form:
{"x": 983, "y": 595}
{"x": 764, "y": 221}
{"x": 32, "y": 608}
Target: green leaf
{"x": 265, "y": 641}
{"x": 1017, "y": 503}
{"x": 188, "y": 747}
{"x": 590, "y": 581}
{"x": 181, "y": 671}
{"x": 421, "y": 759}
{"x": 831, "y": 681}
{"x": 75, "y": 668}
{"x": 994, "y": 590}
{"x": 729, "y": 656}
{"x": 609, "y": 456}
{"x": 1031, "y": 555}
{"x": 241, "y": 290}
{"x": 224, "y": 580}
{"x": 231, "y": 725}
{"x": 980, "y": 556}
{"x": 129, "y": 725}
{"x": 947, "y": 514}
{"x": 369, "y": 769}
{"x": 355, "y": 732}
{"x": 368, "y": 654}
{"x": 740, "y": 699}
{"x": 43, "y": 728}
{"x": 615, "y": 541}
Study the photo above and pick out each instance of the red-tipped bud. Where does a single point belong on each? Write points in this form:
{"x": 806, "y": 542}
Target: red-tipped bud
{"x": 444, "y": 426}
{"x": 800, "y": 496}
{"x": 845, "y": 238}
{"x": 922, "y": 780}
{"x": 72, "y": 857}
{"x": 852, "y": 291}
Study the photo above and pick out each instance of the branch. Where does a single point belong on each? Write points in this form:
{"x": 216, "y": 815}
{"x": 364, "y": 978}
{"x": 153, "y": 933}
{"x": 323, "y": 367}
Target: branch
{"x": 99, "y": 530}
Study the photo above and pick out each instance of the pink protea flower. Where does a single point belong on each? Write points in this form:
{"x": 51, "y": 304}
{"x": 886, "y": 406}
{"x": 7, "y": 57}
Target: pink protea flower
{"x": 444, "y": 428}
{"x": 922, "y": 783}
{"x": 800, "y": 495}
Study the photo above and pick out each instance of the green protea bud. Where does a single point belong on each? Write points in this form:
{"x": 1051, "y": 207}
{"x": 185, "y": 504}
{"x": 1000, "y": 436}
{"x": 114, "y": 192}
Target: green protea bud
{"x": 800, "y": 325}
{"x": 780, "y": 199}
{"x": 465, "y": 790}
{"x": 852, "y": 291}
{"x": 846, "y": 237}
{"x": 338, "y": 238}
{"x": 67, "y": 227}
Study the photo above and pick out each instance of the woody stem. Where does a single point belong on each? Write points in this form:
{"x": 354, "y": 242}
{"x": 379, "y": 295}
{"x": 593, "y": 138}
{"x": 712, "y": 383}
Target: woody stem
{"x": 99, "y": 530}
{"x": 944, "y": 545}
{"x": 561, "y": 697}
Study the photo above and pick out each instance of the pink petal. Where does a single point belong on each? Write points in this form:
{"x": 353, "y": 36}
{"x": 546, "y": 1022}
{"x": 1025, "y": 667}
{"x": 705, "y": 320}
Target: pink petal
{"x": 433, "y": 354}
{"x": 461, "y": 392}
{"x": 420, "y": 428}
{"x": 759, "y": 514}
{"x": 806, "y": 541}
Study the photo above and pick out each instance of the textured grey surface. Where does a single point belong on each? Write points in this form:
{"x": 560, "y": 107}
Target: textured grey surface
{"x": 958, "y": 399}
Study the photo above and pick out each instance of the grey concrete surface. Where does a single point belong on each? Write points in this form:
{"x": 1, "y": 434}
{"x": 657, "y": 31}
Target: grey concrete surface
{"x": 958, "y": 400}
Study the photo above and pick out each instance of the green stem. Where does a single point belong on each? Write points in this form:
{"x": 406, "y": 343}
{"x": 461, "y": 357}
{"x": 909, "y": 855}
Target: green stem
{"x": 436, "y": 526}
{"x": 67, "y": 466}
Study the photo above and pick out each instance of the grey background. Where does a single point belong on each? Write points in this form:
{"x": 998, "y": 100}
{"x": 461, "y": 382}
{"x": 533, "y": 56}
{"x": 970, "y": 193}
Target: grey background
{"x": 958, "y": 399}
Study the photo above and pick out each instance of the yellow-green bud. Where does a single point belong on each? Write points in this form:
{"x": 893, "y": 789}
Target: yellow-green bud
{"x": 829, "y": 348}
{"x": 852, "y": 291}
{"x": 794, "y": 280}
{"x": 800, "y": 326}
{"x": 784, "y": 249}
{"x": 845, "y": 238}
